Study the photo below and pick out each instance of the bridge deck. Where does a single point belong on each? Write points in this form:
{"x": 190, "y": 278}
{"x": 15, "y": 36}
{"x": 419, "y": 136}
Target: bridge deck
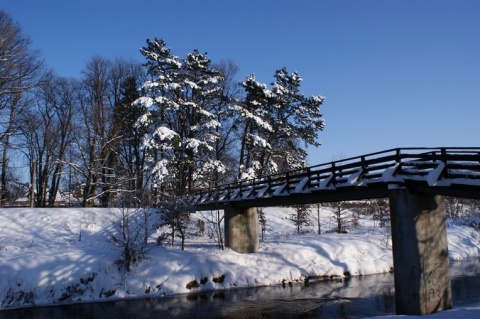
{"x": 450, "y": 171}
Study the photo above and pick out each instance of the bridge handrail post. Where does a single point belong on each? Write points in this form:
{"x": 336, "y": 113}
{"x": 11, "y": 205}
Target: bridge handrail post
{"x": 334, "y": 169}
{"x": 362, "y": 162}
{"x": 269, "y": 181}
{"x": 443, "y": 151}
{"x": 398, "y": 160}
{"x": 398, "y": 155}
{"x": 240, "y": 187}
{"x": 309, "y": 181}
{"x": 287, "y": 181}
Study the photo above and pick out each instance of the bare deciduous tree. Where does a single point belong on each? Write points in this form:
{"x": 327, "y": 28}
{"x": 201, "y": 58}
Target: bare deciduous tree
{"x": 94, "y": 138}
{"x": 104, "y": 124}
{"x": 216, "y": 220}
{"x": 47, "y": 131}
{"x": 20, "y": 69}
{"x": 318, "y": 206}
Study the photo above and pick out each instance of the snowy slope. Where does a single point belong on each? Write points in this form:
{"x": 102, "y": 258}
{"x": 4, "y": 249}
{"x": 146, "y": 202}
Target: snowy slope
{"x": 50, "y": 256}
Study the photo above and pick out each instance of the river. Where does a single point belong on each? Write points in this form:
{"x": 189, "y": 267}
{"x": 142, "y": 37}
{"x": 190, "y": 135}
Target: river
{"x": 354, "y": 297}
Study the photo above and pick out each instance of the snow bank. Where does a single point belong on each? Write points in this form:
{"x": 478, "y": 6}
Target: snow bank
{"x": 50, "y": 256}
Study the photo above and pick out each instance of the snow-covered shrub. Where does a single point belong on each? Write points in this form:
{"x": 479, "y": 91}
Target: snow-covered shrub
{"x": 18, "y": 298}
{"x": 76, "y": 289}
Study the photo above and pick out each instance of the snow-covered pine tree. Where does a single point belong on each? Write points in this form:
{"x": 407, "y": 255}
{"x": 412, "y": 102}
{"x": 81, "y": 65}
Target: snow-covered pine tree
{"x": 221, "y": 168}
{"x": 278, "y": 124}
{"x": 296, "y": 120}
{"x": 202, "y": 94}
{"x": 179, "y": 101}
{"x": 254, "y": 126}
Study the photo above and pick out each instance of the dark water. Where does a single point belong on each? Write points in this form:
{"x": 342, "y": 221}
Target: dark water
{"x": 356, "y": 297}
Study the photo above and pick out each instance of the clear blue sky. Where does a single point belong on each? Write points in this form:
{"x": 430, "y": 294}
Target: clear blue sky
{"x": 394, "y": 73}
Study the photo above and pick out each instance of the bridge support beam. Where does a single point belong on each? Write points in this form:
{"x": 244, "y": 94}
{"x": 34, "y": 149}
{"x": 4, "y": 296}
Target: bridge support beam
{"x": 241, "y": 229}
{"x": 420, "y": 253}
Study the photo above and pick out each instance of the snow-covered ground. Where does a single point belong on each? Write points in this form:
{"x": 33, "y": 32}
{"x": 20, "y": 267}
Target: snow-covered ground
{"x": 51, "y": 256}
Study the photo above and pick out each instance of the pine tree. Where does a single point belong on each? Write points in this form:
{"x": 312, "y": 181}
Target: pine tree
{"x": 255, "y": 127}
{"x": 340, "y": 216}
{"x": 301, "y": 217}
{"x": 130, "y": 152}
{"x": 262, "y": 220}
{"x": 180, "y": 103}
{"x": 275, "y": 123}
{"x": 175, "y": 213}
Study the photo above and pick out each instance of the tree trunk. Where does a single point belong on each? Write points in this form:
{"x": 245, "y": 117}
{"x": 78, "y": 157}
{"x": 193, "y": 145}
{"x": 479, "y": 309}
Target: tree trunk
{"x": 318, "y": 219}
{"x": 3, "y": 195}
{"x": 219, "y": 230}
{"x": 298, "y": 222}
{"x": 182, "y": 235}
{"x": 54, "y": 185}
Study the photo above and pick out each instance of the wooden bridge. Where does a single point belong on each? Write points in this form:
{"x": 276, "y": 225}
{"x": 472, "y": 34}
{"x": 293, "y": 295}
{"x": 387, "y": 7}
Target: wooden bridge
{"x": 414, "y": 180}
{"x": 450, "y": 171}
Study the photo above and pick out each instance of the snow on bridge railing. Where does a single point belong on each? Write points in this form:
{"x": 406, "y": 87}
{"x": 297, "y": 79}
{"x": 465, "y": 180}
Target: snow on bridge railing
{"x": 435, "y": 166}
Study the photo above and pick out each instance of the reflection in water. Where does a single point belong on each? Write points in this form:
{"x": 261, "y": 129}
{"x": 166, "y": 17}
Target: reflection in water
{"x": 355, "y": 297}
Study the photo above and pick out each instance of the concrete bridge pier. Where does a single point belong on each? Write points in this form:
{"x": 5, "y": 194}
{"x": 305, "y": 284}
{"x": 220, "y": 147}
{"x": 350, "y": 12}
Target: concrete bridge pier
{"x": 420, "y": 253}
{"x": 241, "y": 229}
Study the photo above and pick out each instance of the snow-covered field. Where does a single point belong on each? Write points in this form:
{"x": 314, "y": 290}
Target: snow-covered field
{"x": 51, "y": 256}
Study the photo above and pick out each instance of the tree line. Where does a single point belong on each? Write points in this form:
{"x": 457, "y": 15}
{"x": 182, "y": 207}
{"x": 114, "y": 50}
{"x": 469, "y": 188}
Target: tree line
{"x": 128, "y": 132}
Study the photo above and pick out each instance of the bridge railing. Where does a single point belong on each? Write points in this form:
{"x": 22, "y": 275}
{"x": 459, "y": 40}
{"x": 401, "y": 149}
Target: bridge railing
{"x": 369, "y": 168}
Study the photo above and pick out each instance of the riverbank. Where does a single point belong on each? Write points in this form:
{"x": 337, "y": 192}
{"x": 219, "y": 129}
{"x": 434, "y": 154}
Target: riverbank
{"x": 56, "y": 256}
